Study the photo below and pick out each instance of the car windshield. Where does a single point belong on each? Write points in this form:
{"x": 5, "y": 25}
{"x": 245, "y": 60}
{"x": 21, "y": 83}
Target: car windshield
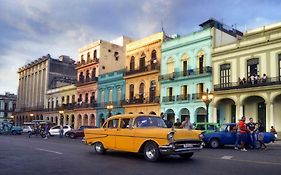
{"x": 149, "y": 121}
{"x": 223, "y": 128}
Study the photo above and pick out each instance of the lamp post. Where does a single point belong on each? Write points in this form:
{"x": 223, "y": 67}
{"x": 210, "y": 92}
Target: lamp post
{"x": 207, "y": 98}
{"x": 109, "y": 107}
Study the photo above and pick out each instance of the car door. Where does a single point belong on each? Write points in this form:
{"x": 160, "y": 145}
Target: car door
{"x": 110, "y": 132}
{"x": 55, "y": 130}
{"x": 228, "y": 137}
{"x": 125, "y": 135}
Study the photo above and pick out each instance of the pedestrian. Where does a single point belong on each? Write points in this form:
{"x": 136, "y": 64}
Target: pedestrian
{"x": 243, "y": 132}
{"x": 253, "y": 135}
{"x": 273, "y": 131}
{"x": 178, "y": 123}
{"x": 46, "y": 130}
{"x": 61, "y": 131}
{"x": 168, "y": 123}
{"x": 238, "y": 136}
{"x": 261, "y": 131}
{"x": 186, "y": 124}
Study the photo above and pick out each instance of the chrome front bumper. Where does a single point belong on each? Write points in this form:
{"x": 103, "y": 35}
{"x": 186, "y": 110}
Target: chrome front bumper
{"x": 175, "y": 148}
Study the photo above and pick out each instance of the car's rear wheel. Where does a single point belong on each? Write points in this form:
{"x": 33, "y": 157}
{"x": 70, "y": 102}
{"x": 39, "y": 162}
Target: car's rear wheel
{"x": 186, "y": 155}
{"x": 99, "y": 148}
{"x": 151, "y": 152}
{"x": 72, "y": 135}
{"x": 14, "y": 132}
{"x": 214, "y": 143}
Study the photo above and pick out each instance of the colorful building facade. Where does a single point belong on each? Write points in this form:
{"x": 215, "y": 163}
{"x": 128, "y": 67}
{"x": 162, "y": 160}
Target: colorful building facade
{"x": 186, "y": 71}
{"x": 143, "y": 59}
{"x": 247, "y": 78}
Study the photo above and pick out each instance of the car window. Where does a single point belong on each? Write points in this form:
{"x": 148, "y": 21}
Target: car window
{"x": 113, "y": 123}
{"x": 147, "y": 121}
{"x": 65, "y": 127}
{"x": 126, "y": 123}
{"x": 200, "y": 127}
{"x": 211, "y": 127}
{"x": 56, "y": 127}
{"x": 105, "y": 125}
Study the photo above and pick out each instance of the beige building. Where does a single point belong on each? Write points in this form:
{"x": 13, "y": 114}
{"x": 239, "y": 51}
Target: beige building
{"x": 143, "y": 58}
{"x": 35, "y": 79}
{"x": 96, "y": 59}
{"x": 246, "y": 77}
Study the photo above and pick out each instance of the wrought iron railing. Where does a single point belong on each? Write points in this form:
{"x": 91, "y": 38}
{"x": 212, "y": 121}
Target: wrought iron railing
{"x": 197, "y": 96}
{"x": 185, "y": 97}
{"x": 87, "y": 81}
{"x": 147, "y": 68}
{"x": 168, "y": 98}
{"x": 141, "y": 100}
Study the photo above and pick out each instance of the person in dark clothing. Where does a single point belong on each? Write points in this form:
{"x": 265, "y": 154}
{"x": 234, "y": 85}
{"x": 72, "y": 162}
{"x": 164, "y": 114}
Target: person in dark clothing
{"x": 261, "y": 130}
{"x": 253, "y": 136}
{"x": 168, "y": 123}
{"x": 178, "y": 123}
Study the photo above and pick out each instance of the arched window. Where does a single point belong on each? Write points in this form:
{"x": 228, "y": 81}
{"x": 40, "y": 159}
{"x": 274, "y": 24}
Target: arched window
{"x": 81, "y": 77}
{"x": 88, "y": 57}
{"x": 67, "y": 99}
{"x": 95, "y": 54}
{"x": 141, "y": 91}
{"x": 62, "y": 100}
{"x": 73, "y": 99}
{"x": 82, "y": 59}
{"x": 201, "y": 62}
{"x": 87, "y": 76}
{"x": 142, "y": 62}
{"x": 93, "y": 73}
{"x": 132, "y": 63}
{"x": 170, "y": 65}
{"x": 131, "y": 93}
{"x": 153, "y": 60}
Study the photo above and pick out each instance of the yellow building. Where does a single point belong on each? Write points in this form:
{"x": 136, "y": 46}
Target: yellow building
{"x": 247, "y": 77}
{"x": 143, "y": 59}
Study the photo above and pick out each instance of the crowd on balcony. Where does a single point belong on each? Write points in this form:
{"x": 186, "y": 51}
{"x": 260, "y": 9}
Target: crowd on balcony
{"x": 253, "y": 79}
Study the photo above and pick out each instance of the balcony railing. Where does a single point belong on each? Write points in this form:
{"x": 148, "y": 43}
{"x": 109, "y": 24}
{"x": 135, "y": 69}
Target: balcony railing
{"x": 84, "y": 62}
{"x": 114, "y": 103}
{"x": 187, "y": 73}
{"x": 85, "y": 105}
{"x": 87, "y": 81}
{"x": 141, "y": 100}
{"x": 147, "y": 68}
{"x": 183, "y": 97}
{"x": 168, "y": 98}
{"x": 197, "y": 96}
{"x": 240, "y": 85}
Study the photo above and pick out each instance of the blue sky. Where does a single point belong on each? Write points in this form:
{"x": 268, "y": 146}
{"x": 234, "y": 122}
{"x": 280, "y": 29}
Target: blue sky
{"x": 30, "y": 29}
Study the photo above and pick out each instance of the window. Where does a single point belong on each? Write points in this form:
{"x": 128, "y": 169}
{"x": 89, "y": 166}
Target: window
{"x": 116, "y": 55}
{"x": 80, "y": 98}
{"x": 82, "y": 58}
{"x": 184, "y": 68}
{"x": 110, "y": 95}
{"x": 81, "y": 77}
{"x": 132, "y": 63}
{"x": 142, "y": 61}
{"x": 93, "y": 98}
{"x": 113, "y": 123}
{"x": 94, "y": 73}
{"x": 170, "y": 93}
{"x": 131, "y": 94}
{"x": 86, "y": 98}
{"x": 62, "y": 100}
{"x": 126, "y": 123}
{"x": 225, "y": 75}
{"x": 200, "y": 90}
{"x": 95, "y": 54}
{"x": 200, "y": 127}
{"x": 67, "y": 99}
{"x": 87, "y": 76}
{"x": 201, "y": 64}
{"x": 102, "y": 96}
{"x": 253, "y": 67}
{"x": 152, "y": 91}
{"x": 141, "y": 91}
{"x": 153, "y": 61}
{"x": 170, "y": 65}
{"x": 184, "y": 92}
{"x": 119, "y": 94}
{"x": 88, "y": 57}
{"x": 73, "y": 99}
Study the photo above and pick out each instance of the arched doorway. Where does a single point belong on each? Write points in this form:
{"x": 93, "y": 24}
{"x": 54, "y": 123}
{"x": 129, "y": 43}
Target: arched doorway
{"x": 184, "y": 112}
{"x": 92, "y": 120}
{"x": 170, "y": 115}
{"x": 72, "y": 121}
{"x": 226, "y": 111}
{"x": 255, "y": 107}
{"x": 201, "y": 115}
{"x": 85, "y": 119}
{"x": 152, "y": 113}
{"x": 79, "y": 121}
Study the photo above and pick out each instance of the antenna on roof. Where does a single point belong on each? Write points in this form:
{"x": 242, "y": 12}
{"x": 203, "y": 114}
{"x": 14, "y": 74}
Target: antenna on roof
{"x": 162, "y": 26}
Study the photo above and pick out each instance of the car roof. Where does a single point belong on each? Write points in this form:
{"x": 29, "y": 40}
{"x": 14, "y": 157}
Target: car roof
{"x": 130, "y": 116}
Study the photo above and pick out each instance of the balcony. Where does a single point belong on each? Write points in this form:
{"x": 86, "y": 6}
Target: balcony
{"x": 197, "y": 96}
{"x": 87, "y": 81}
{"x": 183, "y": 97}
{"x": 84, "y": 62}
{"x": 168, "y": 99}
{"x": 147, "y": 68}
{"x": 85, "y": 105}
{"x": 141, "y": 101}
{"x": 239, "y": 85}
{"x": 187, "y": 73}
{"x": 114, "y": 103}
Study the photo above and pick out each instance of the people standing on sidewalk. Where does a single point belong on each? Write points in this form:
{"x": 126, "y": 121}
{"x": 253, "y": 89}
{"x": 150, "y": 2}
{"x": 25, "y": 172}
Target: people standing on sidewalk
{"x": 178, "y": 123}
{"x": 186, "y": 124}
{"x": 261, "y": 130}
{"x": 238, "y": 136}
{"x": 61, "y": 131}
{"x": 46, "y": 130}
{"x": 273, "y": 131}
{"x": 253, "y": 135}
{"x": 243, "y": 132}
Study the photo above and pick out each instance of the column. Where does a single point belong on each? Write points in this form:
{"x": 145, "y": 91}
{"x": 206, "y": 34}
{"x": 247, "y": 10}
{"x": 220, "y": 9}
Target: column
{"x": 215, "y": 114}
{"x": 64, "y": 120}
{"x": 271, "y": 115}
{"x": 268, "y": 117}
{"x": 75, "y": 122}
{"x": 82, "y": 122}
{"x": 239, "y": 111}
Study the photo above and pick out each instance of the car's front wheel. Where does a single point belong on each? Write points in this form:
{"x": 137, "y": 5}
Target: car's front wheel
{"x": 99, "y": 148}
{"x": 72, "y": 135}
{"x": 186, "y": 155}
{"x": 151, "y": 152}
{"x": 214, "y": 143}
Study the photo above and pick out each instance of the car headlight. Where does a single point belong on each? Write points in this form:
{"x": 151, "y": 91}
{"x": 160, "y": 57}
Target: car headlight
{"x": 170, "y": 136}
{"x": 201, "y": 136}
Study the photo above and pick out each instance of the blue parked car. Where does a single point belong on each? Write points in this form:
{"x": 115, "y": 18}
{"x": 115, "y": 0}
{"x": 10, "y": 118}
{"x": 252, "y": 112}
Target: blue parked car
{"x": 9, "y": 128}
{"x": 227, "y": 136}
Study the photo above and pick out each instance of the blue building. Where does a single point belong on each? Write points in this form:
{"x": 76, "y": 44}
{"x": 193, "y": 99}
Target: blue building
{"x": 111, "y": 92}
{"x": 186, "y": 71}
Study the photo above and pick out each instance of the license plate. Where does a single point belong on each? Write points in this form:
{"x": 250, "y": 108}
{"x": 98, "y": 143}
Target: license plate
{"x": 187, "y": 145}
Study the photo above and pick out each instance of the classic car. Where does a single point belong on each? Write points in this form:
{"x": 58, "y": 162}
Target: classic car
{"x": 207, "y": 127}
{"x": 227, "y": 136}
{"x": 146, "y": 134}
{"x": 77, "y": 132}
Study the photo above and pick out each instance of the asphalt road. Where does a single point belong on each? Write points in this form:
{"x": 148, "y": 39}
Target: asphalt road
{"x": 21, "y": 155}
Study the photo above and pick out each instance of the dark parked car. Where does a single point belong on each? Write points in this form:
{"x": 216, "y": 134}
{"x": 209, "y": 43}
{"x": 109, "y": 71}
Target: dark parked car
{"x": 227, "y": 136}
{"x": 77, "y": 132}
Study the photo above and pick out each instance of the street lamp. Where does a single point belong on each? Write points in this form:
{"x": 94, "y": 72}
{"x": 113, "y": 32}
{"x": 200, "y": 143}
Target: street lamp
{"x": 207, "y": 98}
{"x": 109, "y": 108}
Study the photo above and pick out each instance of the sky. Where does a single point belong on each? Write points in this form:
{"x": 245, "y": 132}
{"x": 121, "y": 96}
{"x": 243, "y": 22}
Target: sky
{"x": 30, "y": 29}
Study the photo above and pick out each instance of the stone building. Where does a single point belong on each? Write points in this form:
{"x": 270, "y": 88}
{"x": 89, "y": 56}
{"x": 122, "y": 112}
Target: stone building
{"x": 7, "y": 106}
{"x": 247, "y": 77}
{"x": 35, "y": 79}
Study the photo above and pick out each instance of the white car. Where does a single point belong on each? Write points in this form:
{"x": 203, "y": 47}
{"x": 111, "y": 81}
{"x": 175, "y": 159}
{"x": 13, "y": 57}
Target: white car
{"x": 27, "y": 129}
{"x": 55, "y": 130}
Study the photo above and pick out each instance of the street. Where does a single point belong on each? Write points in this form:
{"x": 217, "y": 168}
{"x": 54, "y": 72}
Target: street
{"x": 21, "y": 155}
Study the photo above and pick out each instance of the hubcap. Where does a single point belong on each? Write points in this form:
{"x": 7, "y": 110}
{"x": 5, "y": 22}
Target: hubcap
{"x": 150, "y": 152}
{"x": 214, "y": 143}
{"x": 98, "y": 147}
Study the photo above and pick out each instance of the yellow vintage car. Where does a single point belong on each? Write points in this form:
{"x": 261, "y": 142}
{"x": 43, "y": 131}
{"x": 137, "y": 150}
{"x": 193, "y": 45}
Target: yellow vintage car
{"x": 146, "y": 134}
